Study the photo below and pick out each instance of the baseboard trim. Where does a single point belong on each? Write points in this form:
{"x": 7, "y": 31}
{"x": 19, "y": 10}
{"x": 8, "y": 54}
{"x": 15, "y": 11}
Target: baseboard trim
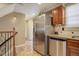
{"x": 17, "y": 46}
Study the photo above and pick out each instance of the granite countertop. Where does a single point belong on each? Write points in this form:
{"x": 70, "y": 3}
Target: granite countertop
{"x": 62, "y": 37}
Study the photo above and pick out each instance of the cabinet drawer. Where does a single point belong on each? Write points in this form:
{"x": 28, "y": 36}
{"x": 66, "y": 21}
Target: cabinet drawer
{"x": 72, "y": 51}
{"x": 72, "y": 47}
{"x": 74, "y": 43}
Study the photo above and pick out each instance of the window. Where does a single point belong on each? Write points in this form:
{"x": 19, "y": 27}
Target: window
{"x": 72, "y": 15}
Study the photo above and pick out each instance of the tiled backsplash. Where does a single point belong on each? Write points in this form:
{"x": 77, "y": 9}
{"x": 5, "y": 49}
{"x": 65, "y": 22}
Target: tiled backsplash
{"x": 73, "y": 29}
{"x": 68, "y": 29}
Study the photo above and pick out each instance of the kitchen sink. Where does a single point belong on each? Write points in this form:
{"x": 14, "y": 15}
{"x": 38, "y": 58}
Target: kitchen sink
{"x": 75, "y": 36}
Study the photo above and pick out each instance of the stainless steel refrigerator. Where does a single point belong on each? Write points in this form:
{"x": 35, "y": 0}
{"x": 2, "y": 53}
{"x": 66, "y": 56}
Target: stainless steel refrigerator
{"x": 39, "y": 37}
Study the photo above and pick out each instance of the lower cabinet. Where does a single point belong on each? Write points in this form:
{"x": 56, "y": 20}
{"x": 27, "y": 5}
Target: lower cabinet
{"x": 63, "y": 48}
{"x": 72, "y": 47}
{"x": 57, "y": 47}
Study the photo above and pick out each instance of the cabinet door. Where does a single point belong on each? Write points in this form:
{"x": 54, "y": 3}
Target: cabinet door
{"x": 55, "y": 16}
{"x": 58, "y": 15}
{"x": 72, "y": 51}
{"x": 72, "y": 47}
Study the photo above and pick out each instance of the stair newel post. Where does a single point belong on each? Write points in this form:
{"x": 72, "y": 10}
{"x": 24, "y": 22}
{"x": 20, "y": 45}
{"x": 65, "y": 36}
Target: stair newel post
{"x": 14, "y": 49}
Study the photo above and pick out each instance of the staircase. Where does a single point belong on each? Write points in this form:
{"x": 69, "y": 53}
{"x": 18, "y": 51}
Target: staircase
{"x": 7, "y": 43}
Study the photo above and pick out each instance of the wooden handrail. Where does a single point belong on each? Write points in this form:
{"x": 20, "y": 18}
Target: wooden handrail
{"x": 8, "y": 39}
{"x": 5, "y": 31}
{"x": 11, "y": 37}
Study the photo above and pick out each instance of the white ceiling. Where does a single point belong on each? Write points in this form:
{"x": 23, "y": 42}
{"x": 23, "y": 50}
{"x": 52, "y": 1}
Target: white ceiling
{"x": 29, "y": 9}
{"x": 6, "y": 9}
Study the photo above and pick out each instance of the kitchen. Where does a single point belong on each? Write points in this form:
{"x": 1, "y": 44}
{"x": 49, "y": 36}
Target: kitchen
{"x": 56, "y": 32}
{"x": 46, "y": 29}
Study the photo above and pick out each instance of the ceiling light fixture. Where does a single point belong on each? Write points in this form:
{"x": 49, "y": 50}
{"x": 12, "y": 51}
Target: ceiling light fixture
{"x": 33, "y": 14}
{"x": 38, "y": 3}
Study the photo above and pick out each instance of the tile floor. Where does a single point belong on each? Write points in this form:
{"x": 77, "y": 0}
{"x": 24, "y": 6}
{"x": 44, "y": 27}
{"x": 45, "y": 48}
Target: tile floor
{"x": 27, "y": 50}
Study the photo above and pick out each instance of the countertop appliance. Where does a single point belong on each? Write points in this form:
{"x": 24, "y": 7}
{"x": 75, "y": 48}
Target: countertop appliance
{"x": 57, "y": 47}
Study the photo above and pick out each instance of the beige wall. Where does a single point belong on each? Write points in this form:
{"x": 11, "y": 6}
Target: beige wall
{"x": 6, "y": 24}
{"x": 29, "y": 27}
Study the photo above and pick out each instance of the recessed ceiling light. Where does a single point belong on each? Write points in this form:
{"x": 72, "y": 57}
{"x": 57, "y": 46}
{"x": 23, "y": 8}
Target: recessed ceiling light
{"x": 14, "y": 19}
{"x": 33, "y": 14}
{"x": 38, "y": 3}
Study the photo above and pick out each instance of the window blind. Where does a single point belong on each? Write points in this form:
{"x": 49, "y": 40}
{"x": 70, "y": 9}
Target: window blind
{"x": 72, "y": 15}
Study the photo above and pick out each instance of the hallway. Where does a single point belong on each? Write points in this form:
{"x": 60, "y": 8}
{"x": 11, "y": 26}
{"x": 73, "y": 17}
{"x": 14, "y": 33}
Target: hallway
{"x": 28, "y": 50}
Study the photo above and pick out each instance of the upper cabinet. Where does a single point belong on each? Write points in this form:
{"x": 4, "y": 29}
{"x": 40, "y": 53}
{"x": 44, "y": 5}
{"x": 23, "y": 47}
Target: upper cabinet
{"x": 58, "y": 15}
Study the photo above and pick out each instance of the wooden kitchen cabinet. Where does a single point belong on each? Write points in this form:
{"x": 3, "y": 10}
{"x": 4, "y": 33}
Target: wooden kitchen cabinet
{"x": 58, "y": 15}
{"x": 72, "y": 47}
